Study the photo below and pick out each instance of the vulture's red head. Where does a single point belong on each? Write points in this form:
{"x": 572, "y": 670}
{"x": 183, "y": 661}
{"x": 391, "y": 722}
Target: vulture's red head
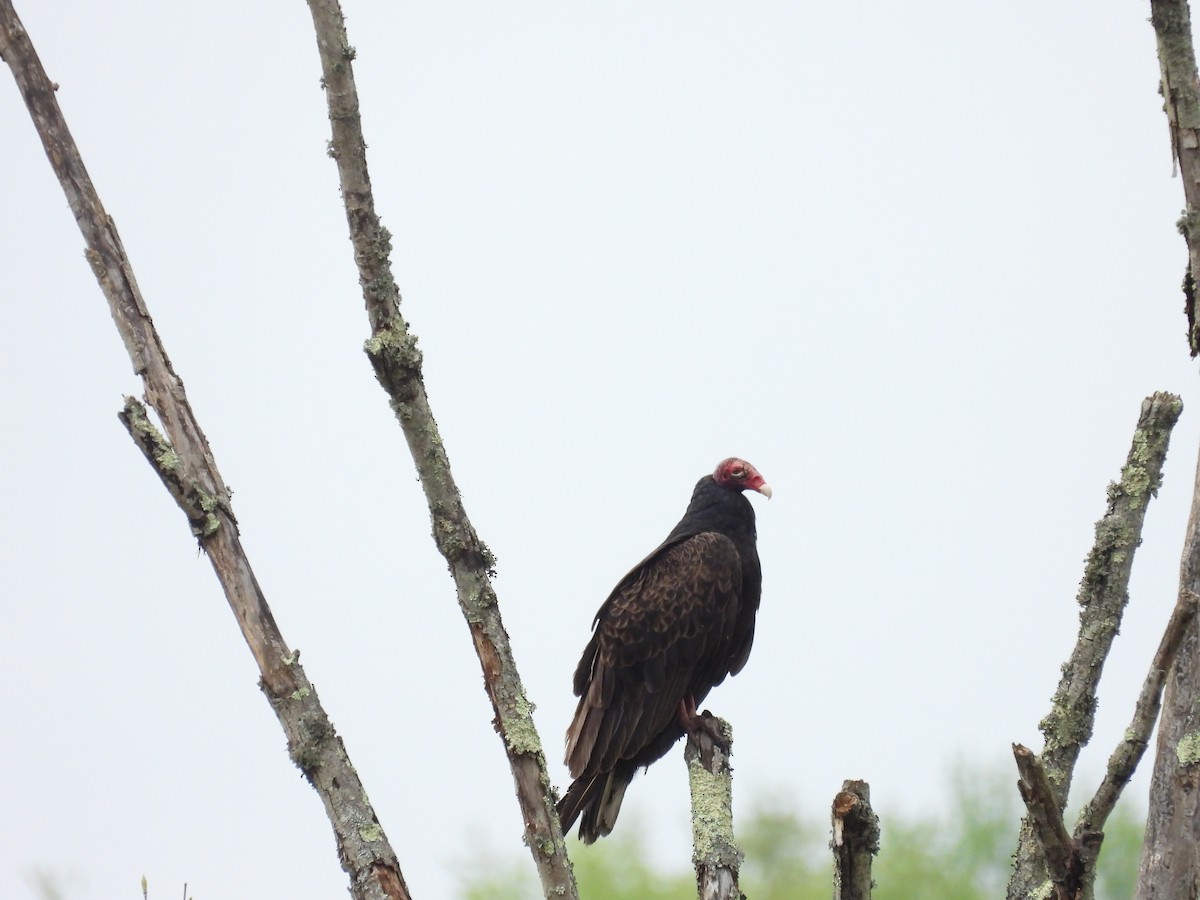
{"x": 738, "y": 475}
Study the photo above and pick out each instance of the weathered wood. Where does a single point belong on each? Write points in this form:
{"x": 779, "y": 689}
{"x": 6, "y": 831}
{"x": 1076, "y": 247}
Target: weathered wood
{"x": 1128, "y": 753}
{"x": 184, "y": 461}
{"x": 855, "y": 841}
{"x": 1170, "y": 865}
{"x": 715, "y": 853}
{"x": 1044, "y": 814}
{"x": 1103, "y": 595}
{"x": 393, "y": 351}
{"x": 1181, "y": 102}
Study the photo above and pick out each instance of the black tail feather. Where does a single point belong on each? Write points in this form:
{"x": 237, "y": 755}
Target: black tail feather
{"x": 595, "y": 800}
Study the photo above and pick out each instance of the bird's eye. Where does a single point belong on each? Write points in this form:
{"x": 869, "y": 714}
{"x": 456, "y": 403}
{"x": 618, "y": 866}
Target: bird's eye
{"x": 738, "y": 473}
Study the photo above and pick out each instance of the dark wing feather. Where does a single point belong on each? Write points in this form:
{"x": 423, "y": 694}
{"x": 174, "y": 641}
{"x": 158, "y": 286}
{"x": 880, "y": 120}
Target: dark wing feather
{"x": 665, "y": 632}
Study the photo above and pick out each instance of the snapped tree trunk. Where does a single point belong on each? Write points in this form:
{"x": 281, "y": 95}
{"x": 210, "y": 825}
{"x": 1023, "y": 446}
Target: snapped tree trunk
{"x": 715, "y": 853}
{"x": 855, "y": 841}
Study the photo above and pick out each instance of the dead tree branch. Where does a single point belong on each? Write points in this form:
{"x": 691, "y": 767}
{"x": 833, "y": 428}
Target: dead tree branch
{"x": 185, "y": 463}
{"x": 1045, "y": 817}
{"x": 1103, "y": 595}
{"x": 1124, "y": 760}
{"x": 715, "y": 853}
{"x": 1128, "y": 753}
{"x": 855, "y": 841}
{"x": 1171, "y": 853}
{"x": 392, "y": 349}
{"x": 1181, "y": 102}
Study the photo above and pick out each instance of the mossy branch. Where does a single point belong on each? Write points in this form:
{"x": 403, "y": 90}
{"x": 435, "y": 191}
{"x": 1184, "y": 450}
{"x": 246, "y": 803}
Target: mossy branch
{"x": 396, "y": 359}
{"x": 200, "y": 507}
{"x": 715, "y": 853}
{"x": 1103, "y": 595}
{"x": 184, "y": 462}
{"x": 1104, "y": 590}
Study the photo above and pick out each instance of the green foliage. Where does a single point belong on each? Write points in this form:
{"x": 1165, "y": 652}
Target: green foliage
{"x": 962, "y": 854}
{"x": 787, "y": 858}
{"x": 1116, "y": 870}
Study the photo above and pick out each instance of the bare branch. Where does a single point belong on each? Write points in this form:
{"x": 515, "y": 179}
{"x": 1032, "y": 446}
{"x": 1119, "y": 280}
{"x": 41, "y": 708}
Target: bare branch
{"x": 1127, "y": 755}
{"x": 1124, "y": 760}
{"x": 1171, "y": 851}
{"x": 855, "y": 841}
{"x": 185, "y": 463}
{"x": 1181, "y": 102}
{"x": 1104, "y": 590}
{"x": 393, "y": 352}
{"x": 715, "y": 853}
{"x": 1103, "y": 595}
{"x": 1045, "y": 817}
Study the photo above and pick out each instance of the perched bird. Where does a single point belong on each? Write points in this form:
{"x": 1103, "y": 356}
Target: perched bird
{"x": 669, "y": 632}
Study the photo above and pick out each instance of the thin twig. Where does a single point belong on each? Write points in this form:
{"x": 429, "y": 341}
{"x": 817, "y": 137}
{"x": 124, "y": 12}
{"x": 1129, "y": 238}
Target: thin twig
{"x": 715, "y": 853}
{"x": 855, "y": 841}
{"x": 185, "y": 463}
{"x": 1103, "y": 595}
{"x": 392, "y": 349}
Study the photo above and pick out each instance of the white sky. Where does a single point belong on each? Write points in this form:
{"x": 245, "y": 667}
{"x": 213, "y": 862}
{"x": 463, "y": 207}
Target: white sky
{"x": 917, "y": 262}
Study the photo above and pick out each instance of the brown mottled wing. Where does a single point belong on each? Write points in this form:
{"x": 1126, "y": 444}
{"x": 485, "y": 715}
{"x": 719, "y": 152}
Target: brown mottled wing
{"x": 663, "y": 633}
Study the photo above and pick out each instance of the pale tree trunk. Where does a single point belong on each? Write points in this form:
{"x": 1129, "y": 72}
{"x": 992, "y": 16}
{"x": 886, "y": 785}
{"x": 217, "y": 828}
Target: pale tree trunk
{"x": 392, "y": 350}
{"x": 715, "y": 854}
{"x": 1170, "y": 865}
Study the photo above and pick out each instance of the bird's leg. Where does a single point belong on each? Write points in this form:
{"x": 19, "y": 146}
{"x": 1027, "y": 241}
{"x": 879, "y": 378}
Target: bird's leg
{"x": 698, "y": 724}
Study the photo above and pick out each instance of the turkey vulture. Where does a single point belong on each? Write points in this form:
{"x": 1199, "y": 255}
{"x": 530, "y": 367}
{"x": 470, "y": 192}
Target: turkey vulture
{"x": 669, "y": 632}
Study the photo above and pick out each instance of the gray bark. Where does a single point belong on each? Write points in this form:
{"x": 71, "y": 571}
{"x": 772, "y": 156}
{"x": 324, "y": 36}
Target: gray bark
{"x": 855, "y": 841}
{"x": 1170, "y": 865}
{"x": 1103, "y": 595}
{"x": 185, "y": 463}
{"x": 392, "y": 349}
{"x": 715, "y": 853}
{"x": 1181, "y": 102}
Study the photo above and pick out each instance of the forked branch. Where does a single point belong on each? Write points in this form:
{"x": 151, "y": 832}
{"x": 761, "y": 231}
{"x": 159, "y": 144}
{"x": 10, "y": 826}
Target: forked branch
{"x": 184, "y": 461}
{"x": 1103, "y": 595}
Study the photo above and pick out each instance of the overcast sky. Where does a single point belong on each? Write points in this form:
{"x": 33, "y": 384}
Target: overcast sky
{"x": 917, "y": 262}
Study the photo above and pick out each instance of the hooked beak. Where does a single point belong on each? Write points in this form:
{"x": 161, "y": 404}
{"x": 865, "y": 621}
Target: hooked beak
{"x": 765, "y": 490}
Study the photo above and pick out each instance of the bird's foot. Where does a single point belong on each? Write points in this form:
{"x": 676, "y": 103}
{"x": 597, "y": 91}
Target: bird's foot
{"x": 701, "y": 725}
